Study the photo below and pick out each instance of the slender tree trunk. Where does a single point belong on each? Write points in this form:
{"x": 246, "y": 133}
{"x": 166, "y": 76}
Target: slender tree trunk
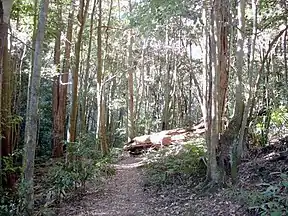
{"x": 101, "y": 127}
{"x": 131, "y": 116}
{"x": 32, "y": 111}
{"x": 235, "y": 124}
{"x": 240, "y": 150}
{"x": 215, "y": 78}
{"x": 74, "y": 110}
{"x": 167, "y": 96}
{"x": 86, "y": 76}
{"x": 285, "y": 49}
{"x": 57, "y": 101}
{"x": 223, "y": 55}
{"x": 206, "y": 107}
{"x": 106, "y": 96}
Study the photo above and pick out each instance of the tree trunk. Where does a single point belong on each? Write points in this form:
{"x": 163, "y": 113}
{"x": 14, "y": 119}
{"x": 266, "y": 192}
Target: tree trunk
{"x": 231, "y": 135}
{"x": 101, "y": 126}
{"x": 131, "y": 116}
{"x": 58, "y": 97}
{"x": 167, "y": 96}
{"x": 60, "y": 94}
{"x": 74, "y": 110}
{"x": 32, "y": 111}
{"x": 215, "y": 102}
{"x": 223, "y": 55}
{"x": 206, "y": 107}
{"x": 240, "y": 149}
{"x": 5, "y": 91}
{"x": 86, "y": 75}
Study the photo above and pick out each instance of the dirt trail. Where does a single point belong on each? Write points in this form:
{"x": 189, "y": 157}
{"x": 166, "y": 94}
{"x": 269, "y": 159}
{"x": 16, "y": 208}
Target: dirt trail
{"x": 123, "y": 195}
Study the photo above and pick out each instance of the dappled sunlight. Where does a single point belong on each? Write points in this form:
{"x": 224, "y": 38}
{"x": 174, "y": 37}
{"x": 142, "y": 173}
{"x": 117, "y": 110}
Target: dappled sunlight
{"x": 143, "y": 107}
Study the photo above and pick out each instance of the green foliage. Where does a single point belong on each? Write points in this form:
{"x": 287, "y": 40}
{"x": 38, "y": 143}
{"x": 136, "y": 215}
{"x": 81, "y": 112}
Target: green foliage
{"x": 84, "y": 163}
{"x": 22, "y": 9}
{"x": 45, "y": 122}
{"x": 8, "y": 204}
{"x": 176, "y": 164}
{"x": 148, "y": 16}
{"x": 118, "y": 137}
{"x": 271, "y": 201}
{"x": 279, "y": 117}
{"x": 273, "y": 123}
{"x": 115, "y": 154}
{"x": 9, "y": 165}
{"x": 12, "y": 203}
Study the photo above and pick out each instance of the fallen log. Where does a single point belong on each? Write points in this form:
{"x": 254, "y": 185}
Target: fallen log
{"x": 161, "y": 139}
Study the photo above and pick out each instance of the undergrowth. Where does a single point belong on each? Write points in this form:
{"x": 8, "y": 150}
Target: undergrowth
{"x": 83, "y": 164}
{"x": 177, "y": 164}
{"x": 272, "y": 199}
{"x": 61, "y": 178}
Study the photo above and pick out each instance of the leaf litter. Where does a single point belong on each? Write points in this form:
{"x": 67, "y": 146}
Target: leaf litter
{"x": 125, "y": 194}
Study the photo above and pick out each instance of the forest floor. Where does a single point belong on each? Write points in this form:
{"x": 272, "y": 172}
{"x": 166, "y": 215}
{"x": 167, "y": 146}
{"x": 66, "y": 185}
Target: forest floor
{"x": 125, "y": 194}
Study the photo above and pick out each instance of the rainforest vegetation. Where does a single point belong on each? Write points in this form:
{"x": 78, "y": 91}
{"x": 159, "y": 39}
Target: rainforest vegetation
{"x": 143, "y": 107}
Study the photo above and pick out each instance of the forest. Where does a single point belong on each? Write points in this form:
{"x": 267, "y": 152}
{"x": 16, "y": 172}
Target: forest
{"x": 143, "y": 107}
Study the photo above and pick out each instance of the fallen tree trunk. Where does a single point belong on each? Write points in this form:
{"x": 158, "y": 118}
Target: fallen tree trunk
{"x": 163, "y": 138}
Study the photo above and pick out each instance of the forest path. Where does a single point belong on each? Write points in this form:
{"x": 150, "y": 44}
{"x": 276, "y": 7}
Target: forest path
{"x": 122, "y": 195}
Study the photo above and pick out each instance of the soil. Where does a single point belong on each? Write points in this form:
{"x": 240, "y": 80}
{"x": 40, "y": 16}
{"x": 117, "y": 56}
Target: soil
{"x": 125, "y": 194}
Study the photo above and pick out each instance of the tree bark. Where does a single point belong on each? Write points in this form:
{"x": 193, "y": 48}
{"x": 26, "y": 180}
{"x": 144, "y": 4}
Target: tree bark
{"x": 32, "y": 111}
{"x": 131, "y": 116}
{"x": 86, "y": 75}
{"x": 73, "y": 117}
{"x": 58, "y": 97}
{"x": 5, "y": 89}
{"x": 101, "y": 126}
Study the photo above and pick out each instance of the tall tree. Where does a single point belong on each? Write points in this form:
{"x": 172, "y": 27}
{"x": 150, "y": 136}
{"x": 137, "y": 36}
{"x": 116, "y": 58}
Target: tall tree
{"x": 101, "y": 120}
{"x": 58, "y": 97}
{"x": 131, "y": 116}
{"x": 60, "y": 89}
{"x": 5, "y": 82}
{"x": 32, "y": 111}
{"x": 84, "y": 104}
{"x": 83, "y": 9}
{"x": 239, "y": 96}
{"x": 215, "y": 83}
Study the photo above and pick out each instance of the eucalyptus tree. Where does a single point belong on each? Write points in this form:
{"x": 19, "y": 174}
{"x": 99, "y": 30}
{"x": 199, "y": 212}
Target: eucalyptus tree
{"x": 82, "y": 14}
{"x": 85, "y": 83}
{"x": 58, "y": 97}
{"x": 32, "y": 111}
{"x": 131, "y": 67}
{"x": 101, "y": 120}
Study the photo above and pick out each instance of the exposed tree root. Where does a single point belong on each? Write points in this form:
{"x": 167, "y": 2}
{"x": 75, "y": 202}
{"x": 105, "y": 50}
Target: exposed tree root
{"x": 211, "y": 187}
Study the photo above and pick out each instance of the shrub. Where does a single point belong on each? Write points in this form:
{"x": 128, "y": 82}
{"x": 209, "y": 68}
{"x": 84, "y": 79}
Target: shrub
{"x": 83, "y": 163}
{"x": 12, "y": 203}
{"x": 271, "y": 201}
{"x": 176, "y": 164}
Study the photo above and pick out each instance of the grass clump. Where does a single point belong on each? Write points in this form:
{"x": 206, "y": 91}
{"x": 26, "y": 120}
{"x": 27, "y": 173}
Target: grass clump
{"x": 176, "y": 164}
